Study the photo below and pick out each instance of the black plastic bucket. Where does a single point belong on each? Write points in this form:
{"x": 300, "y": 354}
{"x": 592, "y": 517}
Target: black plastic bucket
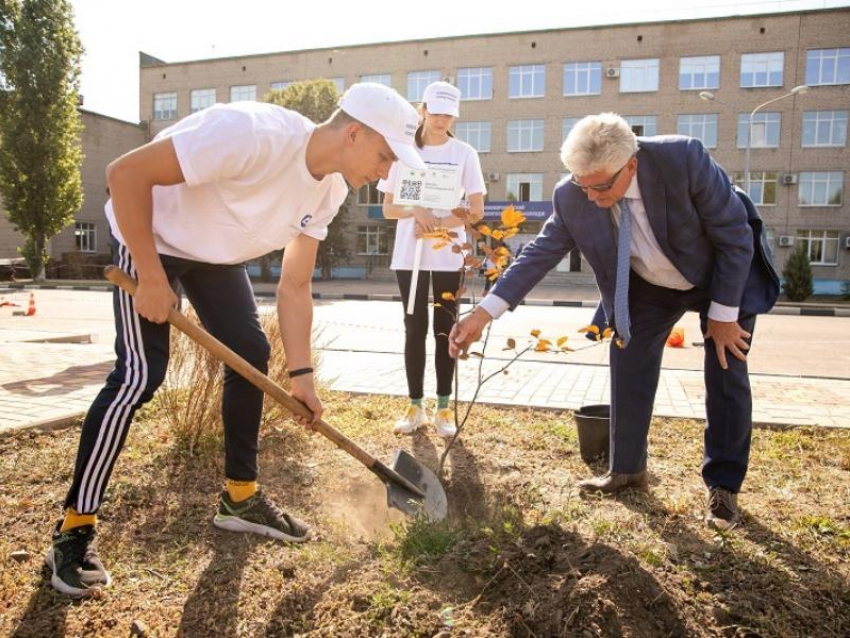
{"x": 592, "y": 422}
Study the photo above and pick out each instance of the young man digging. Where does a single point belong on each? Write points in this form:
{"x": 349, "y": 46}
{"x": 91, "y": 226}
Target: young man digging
{"x": 223, "y": 186}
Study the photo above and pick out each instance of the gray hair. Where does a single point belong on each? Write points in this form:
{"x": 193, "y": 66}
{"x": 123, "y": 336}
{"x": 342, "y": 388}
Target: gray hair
{"x": 603, "y": 142}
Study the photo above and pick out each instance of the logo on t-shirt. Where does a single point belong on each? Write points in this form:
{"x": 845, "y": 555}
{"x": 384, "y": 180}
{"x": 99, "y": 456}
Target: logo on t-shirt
{"x": 305, "y": 220}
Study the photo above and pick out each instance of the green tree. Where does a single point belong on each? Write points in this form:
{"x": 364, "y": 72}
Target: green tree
{"x": 40, "y": 149}
{"x": 797, "y": 274}
{"x": 317, "y": 100}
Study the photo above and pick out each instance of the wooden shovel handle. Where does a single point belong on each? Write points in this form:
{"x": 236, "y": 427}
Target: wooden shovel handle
{"x": 240, "y": 365}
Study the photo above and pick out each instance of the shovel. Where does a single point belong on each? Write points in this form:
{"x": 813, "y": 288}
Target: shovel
{"x": 411, "y": 487}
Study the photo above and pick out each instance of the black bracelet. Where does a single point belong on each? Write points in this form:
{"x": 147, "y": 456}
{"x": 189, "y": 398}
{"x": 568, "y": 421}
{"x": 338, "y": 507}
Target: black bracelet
{"x": 299, "y": 372}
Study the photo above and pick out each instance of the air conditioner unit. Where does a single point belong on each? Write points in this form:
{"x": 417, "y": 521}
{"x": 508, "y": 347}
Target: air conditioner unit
{"x": 789, "y": 178}
{"x": 786, "y": 240}
{"x": 493, "y": 177}
{"x": 847, "y": 242}
{"x": 612, "y": 72}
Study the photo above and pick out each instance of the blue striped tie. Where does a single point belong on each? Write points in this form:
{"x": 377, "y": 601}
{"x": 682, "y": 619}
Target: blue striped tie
{"x": 621, "y": 292}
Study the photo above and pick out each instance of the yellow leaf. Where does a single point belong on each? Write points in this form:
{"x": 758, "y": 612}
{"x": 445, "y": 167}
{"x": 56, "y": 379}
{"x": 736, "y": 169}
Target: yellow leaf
{"x": 535, "y": 333}
{"x": 561, "y": 341}
{"x": 511, "y": 217}
{"x": 607, "y": 333}
{"x": 510, "y": 232}
{"x": 590, "y": 328}
{"x": 448, "y": 296}
{"x": 485, "y": 230}
{"x": 439, "y": 245}
{"x": 498, "y": 234}
{"x": 543, "y": 346}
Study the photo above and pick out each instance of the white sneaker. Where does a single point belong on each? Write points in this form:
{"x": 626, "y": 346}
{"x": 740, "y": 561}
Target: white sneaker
{"x": 413, "y": 419}
{"x": 444, "y": 421}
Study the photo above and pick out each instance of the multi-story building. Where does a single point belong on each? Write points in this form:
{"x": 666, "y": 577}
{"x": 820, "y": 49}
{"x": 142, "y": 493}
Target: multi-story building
{"x": 522, "y": 93}
{"x": 103, "y": 139}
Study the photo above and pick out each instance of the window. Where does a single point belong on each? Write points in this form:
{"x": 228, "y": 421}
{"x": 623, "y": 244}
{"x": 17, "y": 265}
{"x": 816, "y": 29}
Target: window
{"x": 766, "y": 128}
{"x": 527, "y": 81}
{"x": 762, "y": 69}
{"x": 373, "y": 239}
{"x": 702, "y": 127}
{"x": 476, "y": 134}
{"x": 827, "y": 66}
{"x": 821, "y": 188}
{"x": 822, "y": 246}
{"x": 644, "y": 125}
{"x": 379, "y": 78}
{"x": 369, "y": 195}
{"x": 583, "y": 78}
{"x": 525, "y": 135}
{"x": 567, "y": 125}
{"x": 475, "y": 84}
{"x": 164, "y": 106}
{"x": 824, "y": 128}
{"x": 85, "y": 237}
{"x": 762, "y": 186}
{"x": 245, "y": 93}
{"x": 340, "y": 84}
{"x": 201, "y": 99}
{"x": 417, "y": 81}
{"x": 639, "y": 76}
{"x": 524, "y": 187}
{"x": 696, "y": 74}
{"x": 279, "y": 86}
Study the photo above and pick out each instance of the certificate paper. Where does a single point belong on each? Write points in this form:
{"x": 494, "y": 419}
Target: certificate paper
{"x": 433, "y": 187}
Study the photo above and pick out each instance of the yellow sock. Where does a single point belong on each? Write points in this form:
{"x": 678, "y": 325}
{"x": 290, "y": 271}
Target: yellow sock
{"x": 74, "y": 519}
{"x": 240, "y": 490}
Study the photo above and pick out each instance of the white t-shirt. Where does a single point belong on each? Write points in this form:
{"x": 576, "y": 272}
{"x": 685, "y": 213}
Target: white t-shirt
{"x": 247, "y": 190}
{"x": 463, "y": 158}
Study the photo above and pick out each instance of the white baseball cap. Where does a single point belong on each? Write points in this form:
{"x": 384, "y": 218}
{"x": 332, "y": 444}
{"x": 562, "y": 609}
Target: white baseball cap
{"x": 381, "y": 108}
{"x": 441, "y": 98}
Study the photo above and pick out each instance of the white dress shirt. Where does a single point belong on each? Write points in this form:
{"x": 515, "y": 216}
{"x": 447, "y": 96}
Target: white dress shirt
{"x": 647, "y": 260}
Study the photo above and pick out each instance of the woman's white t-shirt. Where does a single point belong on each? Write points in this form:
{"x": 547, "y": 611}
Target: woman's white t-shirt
{"x": 247, "y": 191}
{"x": 452, "y": 154}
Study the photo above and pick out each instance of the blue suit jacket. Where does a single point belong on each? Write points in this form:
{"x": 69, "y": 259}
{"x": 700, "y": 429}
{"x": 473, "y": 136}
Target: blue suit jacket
{"x": 704, "y": 226}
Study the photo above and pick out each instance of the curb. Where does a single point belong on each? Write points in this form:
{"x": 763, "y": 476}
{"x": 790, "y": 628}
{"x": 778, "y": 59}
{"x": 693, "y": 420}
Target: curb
{"x": 779, "y": 309}
{"x": 45, "y": 425}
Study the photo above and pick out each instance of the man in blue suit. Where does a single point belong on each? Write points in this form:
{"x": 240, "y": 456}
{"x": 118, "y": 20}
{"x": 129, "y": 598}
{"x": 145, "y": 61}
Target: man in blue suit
{"x": 665, "y": 232}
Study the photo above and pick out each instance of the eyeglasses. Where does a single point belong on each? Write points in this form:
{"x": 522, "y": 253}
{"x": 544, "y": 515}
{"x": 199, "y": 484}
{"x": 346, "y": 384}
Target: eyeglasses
{"x": 600, "y": 188}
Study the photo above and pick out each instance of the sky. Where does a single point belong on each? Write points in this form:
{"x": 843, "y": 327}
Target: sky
{"x": 114, "y": 31}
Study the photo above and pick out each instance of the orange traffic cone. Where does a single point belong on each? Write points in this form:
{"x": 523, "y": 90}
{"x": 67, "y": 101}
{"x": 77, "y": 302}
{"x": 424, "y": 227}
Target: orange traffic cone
{"x": 31, "y": 308}
{"x": 676, "y": 338}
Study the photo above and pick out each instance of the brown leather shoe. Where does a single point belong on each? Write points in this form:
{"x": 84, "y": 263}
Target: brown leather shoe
{"x": 611, "y": 483}
{"x": 722, "y": 511}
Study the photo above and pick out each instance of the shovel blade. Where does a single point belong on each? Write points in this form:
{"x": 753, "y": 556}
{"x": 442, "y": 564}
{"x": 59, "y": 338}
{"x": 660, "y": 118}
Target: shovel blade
{"x": 435, "y": 505}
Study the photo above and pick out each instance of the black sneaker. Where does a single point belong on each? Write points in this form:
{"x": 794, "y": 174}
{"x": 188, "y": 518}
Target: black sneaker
{"x": 258, "y": 515}
{"x": 722, "y": 511}
{"x": 73, "y": 561}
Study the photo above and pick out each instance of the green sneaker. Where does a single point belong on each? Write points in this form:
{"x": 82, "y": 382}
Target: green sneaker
{"x": 73, "y": 561}
{"x": 258, "y": 515}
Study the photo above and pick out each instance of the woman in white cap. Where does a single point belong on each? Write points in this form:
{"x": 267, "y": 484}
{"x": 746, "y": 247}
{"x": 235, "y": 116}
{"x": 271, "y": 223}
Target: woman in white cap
{"x": 439, "y": 269}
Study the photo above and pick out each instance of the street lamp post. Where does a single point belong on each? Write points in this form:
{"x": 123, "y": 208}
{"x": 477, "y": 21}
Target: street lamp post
{"x": 709, "y": 97}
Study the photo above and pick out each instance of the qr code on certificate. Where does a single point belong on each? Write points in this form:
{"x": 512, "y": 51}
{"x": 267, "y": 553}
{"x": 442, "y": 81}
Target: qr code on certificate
{"x": 411, "y": 189}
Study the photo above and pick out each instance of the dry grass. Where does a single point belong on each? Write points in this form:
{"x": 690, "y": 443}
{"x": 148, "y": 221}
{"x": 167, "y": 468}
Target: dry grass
{"x": 522, "y": 553}
{"x": 190, "y": 398}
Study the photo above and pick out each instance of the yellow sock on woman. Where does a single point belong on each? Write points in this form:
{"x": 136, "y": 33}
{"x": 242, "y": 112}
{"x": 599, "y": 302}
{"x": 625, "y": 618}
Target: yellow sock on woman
{"x": 75, "y": 519}
{"x": 240, "y": 490}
